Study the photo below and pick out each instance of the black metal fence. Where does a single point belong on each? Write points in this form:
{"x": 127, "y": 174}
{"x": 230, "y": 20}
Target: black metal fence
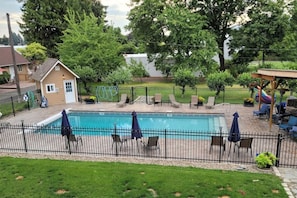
{"x": 184, "y": 145}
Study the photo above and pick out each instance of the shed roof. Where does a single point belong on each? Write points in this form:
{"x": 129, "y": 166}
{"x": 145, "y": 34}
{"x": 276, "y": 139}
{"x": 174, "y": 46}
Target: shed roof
{"x": 47, "y": 66}
{"x": 6, "y": 57}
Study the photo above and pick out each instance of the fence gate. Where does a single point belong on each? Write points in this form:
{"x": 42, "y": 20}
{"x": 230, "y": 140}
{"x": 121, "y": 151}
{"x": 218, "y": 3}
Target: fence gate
{"x": 287, "y": 151}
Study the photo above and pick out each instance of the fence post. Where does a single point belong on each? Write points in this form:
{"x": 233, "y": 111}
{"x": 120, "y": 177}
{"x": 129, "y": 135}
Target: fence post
{"x": 132, "y": 95}
{"x": 12, "y": 105}
{"x": 221, "y": 143}
{"x": 24, "y": 137}
{"x": 146, "y": 96}
{"x": 278, "y": 148}
{"x": 116, "y": 143}
{"x": 165, "y": 144}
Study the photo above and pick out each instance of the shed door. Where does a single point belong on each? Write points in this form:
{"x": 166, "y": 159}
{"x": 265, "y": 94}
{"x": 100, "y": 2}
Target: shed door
{"x": 69, "y": 91}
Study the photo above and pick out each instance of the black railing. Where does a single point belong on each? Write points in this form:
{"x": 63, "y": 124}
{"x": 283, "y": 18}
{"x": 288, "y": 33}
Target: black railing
{"x": 185, "y": 145}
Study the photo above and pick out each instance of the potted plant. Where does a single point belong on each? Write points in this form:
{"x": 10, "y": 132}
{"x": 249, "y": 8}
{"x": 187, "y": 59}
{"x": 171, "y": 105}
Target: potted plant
{"x": 248, "y": 102}
{"x": 265, "y": 160}
{"x": 90, "y": 100}
{"x": 200, "y": 100}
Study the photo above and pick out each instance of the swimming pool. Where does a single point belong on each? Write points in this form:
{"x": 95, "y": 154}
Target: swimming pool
{"x": 147, "y": 121}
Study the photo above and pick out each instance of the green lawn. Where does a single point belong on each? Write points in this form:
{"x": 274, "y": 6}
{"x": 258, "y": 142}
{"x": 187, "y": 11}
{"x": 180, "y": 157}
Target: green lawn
{"x": 58, "y": 178}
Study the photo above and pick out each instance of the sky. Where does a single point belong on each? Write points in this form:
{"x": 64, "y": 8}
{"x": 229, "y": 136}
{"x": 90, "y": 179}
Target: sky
{"x": 116, "y": 14}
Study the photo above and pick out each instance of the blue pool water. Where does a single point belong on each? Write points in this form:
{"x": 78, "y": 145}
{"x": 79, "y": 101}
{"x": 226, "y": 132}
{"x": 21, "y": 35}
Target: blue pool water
{"x": 147, "y": 121}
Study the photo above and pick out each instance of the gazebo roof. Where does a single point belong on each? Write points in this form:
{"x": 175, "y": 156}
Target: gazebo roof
{"x": 273, "y": 74}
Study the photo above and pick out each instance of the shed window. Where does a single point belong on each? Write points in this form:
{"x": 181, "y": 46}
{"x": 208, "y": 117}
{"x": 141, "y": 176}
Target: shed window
{"x": 57, "y": 68}
{"x": 20, "y": 68}
{"x": 50, "y": 88}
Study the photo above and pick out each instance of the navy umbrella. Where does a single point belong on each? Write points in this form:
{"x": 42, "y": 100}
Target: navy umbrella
{"x": 66, "y": 128}
{"x": 136, "y": 131}
{"x": 234, "y": 134}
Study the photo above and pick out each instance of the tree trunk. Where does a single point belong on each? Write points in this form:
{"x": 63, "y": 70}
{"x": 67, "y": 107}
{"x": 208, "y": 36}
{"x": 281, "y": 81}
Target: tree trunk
{"x": 221, "y": 54}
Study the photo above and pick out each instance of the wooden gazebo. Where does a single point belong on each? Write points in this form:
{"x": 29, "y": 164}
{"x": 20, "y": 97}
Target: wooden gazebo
{"x": 274, "y": 76}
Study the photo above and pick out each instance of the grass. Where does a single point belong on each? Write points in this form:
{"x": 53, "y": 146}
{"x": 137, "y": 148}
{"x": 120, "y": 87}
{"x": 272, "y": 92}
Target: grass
{"x": 233, "y": 95}
{"x": 60, "y": 178}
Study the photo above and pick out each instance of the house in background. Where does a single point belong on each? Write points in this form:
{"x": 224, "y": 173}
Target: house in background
{"x": 6, "y": 64}
{"x": 56, "y": 82}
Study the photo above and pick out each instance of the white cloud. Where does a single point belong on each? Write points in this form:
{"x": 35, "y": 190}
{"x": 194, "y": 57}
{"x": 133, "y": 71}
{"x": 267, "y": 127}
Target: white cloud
{"x": 117, "y": 13}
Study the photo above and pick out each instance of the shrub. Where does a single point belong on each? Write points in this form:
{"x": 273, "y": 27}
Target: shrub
{"x": 265, "y": 160}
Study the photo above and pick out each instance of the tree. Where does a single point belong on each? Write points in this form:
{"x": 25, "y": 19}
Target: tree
{"x": 219, "y": 80}
{"x": 121, "y": 75}
{"x": 34, "y": 52}
{"x": 246, "y": 80}
{"x": 165, "y": 20}
{"x": 44, "y": 19}
{"x": 220, "y": 16}
{"x": 137, "y": 69}
{"x": 184, "y": 77}
{"x": 86, "y": 74}
{"x": 286, "y": 49}
{"x": 85, "y": 43}
{"x": 266, "y": 26}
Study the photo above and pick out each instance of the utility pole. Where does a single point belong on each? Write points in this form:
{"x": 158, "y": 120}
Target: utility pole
{"x": 16, "y": 75}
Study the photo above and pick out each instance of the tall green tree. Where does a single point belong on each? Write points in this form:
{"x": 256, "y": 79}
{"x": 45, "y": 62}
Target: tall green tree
{"x": 220, "y": 16}
{"x": 85, "y": 43}
{"x": 286, "y": 48}
{"x": 43, "y": 20}
{"x": 176, "y": 35}
{"x": 266, "y": 26}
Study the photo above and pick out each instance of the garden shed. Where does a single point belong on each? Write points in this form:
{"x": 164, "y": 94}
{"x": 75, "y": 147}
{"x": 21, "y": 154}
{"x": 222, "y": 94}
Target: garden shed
{"x": 56, "y": 82}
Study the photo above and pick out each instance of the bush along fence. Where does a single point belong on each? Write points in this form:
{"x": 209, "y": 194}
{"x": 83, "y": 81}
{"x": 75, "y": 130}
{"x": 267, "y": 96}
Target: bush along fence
{"x": 183, "y": 145}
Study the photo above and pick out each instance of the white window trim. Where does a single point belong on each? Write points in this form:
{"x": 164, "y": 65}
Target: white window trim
{"x": 52, "y": 88}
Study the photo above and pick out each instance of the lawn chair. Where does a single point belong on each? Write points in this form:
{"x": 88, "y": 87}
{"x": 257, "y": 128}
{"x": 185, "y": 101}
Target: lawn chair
{"x": 117, "y": 140}
{"x": 245, "y": 143}
{"x": 264, "y": 111}
{"x": 210, "y": 102}
{"x": 152, "y": 143}
{"x": 74, "y": 140}
{"x": 173, "y": 102}
{"x": 194, "y": 101}
{"x": 122, "y": 102}
{"x": 217, "y": 141}
{"x": 287, "y": 126}
{"x": 158, "y": 99}
{"x": 4, "y": 125}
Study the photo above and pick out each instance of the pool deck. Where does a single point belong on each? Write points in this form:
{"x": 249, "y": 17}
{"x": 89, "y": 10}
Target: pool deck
{"x": 247, "y": 122}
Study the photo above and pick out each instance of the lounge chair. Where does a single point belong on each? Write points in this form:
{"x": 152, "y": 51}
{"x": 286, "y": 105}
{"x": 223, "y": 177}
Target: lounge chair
{"x": 291, "y": 122}
{"x": 122, "y": 102}
{"x": 117, "y": 140}
{"x": 194, "y": 101}
{"x": 217, "y": 141}
{"x": 245, "y": 143}
{"x": 264, "y": 111}
{"x": 293, "y": 131}
{"x": 173, "y": 102}
{"x": 152, "y": 143}
{"x": 210, "y": 102}
{"x": 158, "y": 99}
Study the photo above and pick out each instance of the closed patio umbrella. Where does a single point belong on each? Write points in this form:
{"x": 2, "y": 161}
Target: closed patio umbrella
{"x": 66, "y": 128}
{"x": 136, "y": 131}
{"x": 234, "y": 134}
